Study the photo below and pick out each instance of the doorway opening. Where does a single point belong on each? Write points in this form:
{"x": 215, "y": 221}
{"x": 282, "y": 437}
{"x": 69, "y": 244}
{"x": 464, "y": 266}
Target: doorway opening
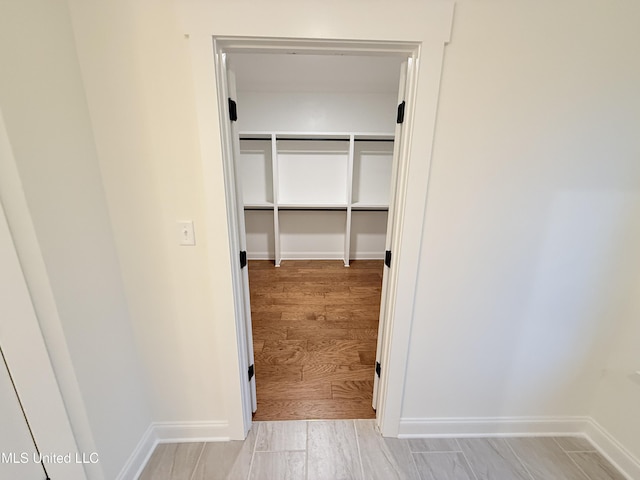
{"x": 313, "y": 175}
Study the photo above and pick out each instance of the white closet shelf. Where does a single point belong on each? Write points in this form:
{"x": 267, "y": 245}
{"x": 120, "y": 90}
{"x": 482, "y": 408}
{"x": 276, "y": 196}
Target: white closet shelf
{"x": 313, "y": 186}
{"x": 258, "y": 206}
{"x": 313, "y": 206}
{"x": 316, "y": 135}
{"x": 367, "y": 206}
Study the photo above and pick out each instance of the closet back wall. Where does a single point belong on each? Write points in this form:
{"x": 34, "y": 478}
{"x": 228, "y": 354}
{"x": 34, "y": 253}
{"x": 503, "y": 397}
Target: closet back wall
{"x": 318, "y": 112}
{"x": 321, "y": 93}
{"x": 315, "y": 97}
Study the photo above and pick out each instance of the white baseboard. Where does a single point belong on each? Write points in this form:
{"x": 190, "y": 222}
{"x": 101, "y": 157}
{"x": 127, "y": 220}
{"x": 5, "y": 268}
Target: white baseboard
{"x": 171, "y": 432}
{"x": 604, "y": 442}
{"x": 607, "y": 445}
{"x": 140, "y": 456}
{"x": 491, "y": 426}
{"x": 180, "y": 432}
{"x": 312, "y": 255}
{"x": 610, "y": 448}
{"x": 260, "y": 256}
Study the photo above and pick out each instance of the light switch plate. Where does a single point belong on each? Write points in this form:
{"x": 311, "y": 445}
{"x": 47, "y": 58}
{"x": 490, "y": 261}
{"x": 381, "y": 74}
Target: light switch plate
{"x": 185, "y": 233}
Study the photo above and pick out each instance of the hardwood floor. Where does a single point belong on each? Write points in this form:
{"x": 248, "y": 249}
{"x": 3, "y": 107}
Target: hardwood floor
{"x": 315, "y": 326}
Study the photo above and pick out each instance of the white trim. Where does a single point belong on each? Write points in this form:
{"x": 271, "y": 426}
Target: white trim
{"x": 140, "y": 456}
{"x": 468, "y": 427}
{"x": 491, "y": 426}
{"x": 182, "y": 432}
{"x": 573, "y": 426}
{"x": 222, "y": 45}
{"x": 312, "y": 256}
{"x": 171, "y": 432}
{"x": 222, "y": 23}
{"x": 612, "y": 450}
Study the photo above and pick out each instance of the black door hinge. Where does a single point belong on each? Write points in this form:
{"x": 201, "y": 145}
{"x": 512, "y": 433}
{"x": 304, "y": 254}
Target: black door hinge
{"x": 243, "y": 259}
{"x": 233, "y": 110}
{"x": 400, "y": 117}
{"x": 387, "y": 258}
{"x": 378, "y": 369}
{"x": 250, "y": 372}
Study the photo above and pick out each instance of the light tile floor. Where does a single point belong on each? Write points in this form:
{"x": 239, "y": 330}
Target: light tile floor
{"x": 352, "y": 449}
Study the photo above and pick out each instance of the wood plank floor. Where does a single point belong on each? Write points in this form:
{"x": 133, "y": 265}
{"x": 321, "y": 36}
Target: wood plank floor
{"x": 315, "y": 326}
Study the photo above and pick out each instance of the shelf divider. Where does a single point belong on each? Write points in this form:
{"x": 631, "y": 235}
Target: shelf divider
{"x": 276, "y": 220}
{"x": 347, "y": 236}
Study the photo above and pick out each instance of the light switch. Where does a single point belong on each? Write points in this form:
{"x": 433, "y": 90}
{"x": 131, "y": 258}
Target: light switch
{"x": 185, "y": 231}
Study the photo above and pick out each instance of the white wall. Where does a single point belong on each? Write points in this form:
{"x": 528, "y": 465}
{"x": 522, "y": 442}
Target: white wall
{"x": 530, "y": 251}
{"x": 47, "y": 122}
{"x": 316, "y": 93}
{"x": 136, "y": 74}
{"x": 618, "y": 395}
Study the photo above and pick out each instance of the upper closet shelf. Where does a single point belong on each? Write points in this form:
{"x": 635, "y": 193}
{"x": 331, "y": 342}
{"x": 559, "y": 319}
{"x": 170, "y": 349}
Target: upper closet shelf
{"x": 258, "y": 206}
{"x": 260, "y": 135}
{"x": 363, "y": 206}
{"x": 313, "y": 206}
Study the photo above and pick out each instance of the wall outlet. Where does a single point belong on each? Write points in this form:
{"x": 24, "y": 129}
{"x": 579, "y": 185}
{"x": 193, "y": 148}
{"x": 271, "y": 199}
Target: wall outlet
{"x": 186, "y": 234}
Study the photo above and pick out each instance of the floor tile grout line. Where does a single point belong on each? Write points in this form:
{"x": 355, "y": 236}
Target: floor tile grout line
{"x": 195, "y": 467}
{"x": 586, "y": 475}
{"x": 466, "y": 459}
{"x": 355, "y": 432}
{"x": 253, "y": 452}
{"x": 438, "y": 451}
{"x": 284, "y": 450}
{"x": 555, "y": 439}
{"x": 519, "y": 459}
{"x": 557, "y": 443}
{"x": 306, "y": 449}
{"x": 414, "y": 463}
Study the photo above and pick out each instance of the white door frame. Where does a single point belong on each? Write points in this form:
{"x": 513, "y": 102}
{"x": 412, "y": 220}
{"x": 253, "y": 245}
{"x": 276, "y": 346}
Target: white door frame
{"x": 382, "y": 342}
{"x": 223, "y": 45}
{"x": 235, "y": 224}
{"x": 395, "y": 26}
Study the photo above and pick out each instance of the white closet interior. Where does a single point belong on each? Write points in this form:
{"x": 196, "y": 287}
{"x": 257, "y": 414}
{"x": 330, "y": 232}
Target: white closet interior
{"x": 316, "y": 149}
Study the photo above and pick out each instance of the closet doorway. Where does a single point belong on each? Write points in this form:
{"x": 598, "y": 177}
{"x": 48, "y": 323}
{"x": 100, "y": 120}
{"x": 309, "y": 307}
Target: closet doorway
{"x": 316, "y": 157}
